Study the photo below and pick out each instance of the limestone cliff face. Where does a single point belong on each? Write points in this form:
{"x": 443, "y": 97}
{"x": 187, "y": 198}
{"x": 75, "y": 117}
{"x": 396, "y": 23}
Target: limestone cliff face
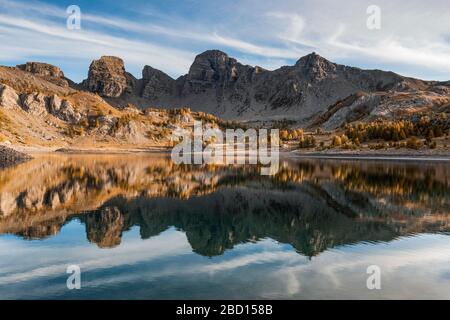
{"x": 46, "y": 71}
{"x": 107, "y": 77}
{"x": 43, "y": 69}
{"x": 9, "y": 99}
{"x": 155, "y": 84}
{"x": 38, "y": 104}
{"x": 215, "y": 81}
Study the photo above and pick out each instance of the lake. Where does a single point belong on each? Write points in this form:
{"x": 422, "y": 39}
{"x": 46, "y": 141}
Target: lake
{"x": 141, "y": 227}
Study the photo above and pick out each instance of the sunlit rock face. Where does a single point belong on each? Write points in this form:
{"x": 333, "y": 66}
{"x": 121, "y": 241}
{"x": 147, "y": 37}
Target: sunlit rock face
{"x": 314, "y": 92}
{"x": 9, "y": 99}
{"x": 46, "y": 71}
{"x": 38, "y": 104}
{"x": 107, "y": 77}
{"x": 62, "y": 109}
{"x": 35, "y": 104}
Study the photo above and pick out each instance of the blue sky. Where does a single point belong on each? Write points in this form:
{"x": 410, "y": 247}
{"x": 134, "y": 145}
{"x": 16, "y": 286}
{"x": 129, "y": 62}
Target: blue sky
{"x": 414, "y": 39}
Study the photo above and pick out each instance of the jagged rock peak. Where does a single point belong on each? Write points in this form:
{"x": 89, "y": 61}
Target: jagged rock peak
{"x": 42, "y": 69}
{"x": 107, "y": 77}
{"x": 150, "y": 73}
{"x": 313, "y": 59}
{"x": 315, "y": 65}
{"x": 259, "y": 69}
{"x": 155, "y": 83}
{"x": 46, "y": 71}
{"x": 111, "y": 62}
{"x": 212, "y": 55}
{"x": 214, "y": 66}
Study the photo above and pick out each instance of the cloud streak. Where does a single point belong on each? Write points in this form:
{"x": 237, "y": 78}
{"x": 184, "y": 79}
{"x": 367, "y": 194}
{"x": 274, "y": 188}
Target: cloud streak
{"x": 274, "y": 271}
{"x": 414, "y": 40}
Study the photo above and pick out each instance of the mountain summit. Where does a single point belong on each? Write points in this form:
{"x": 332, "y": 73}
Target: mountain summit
{"x": 107, "y": 77}
{"x": 316, "y": 67}
{"x": 39, "y": 105}
{"x": 214, "y": 66}
{"x": 221, "y": 85}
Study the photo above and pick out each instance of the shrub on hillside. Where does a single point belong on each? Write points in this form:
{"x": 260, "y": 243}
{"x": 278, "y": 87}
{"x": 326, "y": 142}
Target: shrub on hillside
{"x": 414, "y": 143}
{"x": 307, "y": 142}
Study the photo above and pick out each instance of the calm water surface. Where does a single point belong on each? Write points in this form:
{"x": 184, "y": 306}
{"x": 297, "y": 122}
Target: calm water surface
{"x": 141, "y": 227}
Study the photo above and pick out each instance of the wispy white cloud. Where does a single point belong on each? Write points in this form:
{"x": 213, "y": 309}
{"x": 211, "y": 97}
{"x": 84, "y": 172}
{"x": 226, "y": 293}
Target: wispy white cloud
{"x": 412, "y": 267}
{"x": 46, "y": 38}
{"x": 211, "y": 37}
{"x": 414, "y": 38}
{"x": 430, "y": 55}
{"x": 87, "y": 257}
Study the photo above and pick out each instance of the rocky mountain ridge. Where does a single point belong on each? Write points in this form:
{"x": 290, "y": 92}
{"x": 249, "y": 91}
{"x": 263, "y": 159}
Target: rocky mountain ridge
{"x": 46, "y": 71}
{"x": 220, "y": 85}
{"x": 37, "y": 113}
{"x": 309, "y": 93}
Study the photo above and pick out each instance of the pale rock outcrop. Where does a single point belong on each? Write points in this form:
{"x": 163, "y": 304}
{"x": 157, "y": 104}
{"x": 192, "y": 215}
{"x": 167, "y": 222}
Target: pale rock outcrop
{"x": 54, "y": 103}
{"x": 359, "y": 108}
{"x": 35, "y": 103}
{"x": 129, "y": 131}
{"x": 38, "y": 104}
{"x": 106, "y": 123}
{"x": 63, "y": 109}
{"x": 9, "y": 98}
{"x": 46, "y": 71}
{"x": 184, "y": 118}
{"x": 68, "y": 113}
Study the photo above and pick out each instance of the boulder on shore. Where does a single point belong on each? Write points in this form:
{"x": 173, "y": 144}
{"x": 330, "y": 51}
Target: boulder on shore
{"x": 9, "y": 157}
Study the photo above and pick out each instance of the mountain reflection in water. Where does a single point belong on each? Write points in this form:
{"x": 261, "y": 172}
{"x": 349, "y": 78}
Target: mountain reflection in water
{"x": 312, "y": 205}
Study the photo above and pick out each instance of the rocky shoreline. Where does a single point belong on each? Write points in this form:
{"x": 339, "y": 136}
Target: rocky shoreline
{"x": 9, "y": 157}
